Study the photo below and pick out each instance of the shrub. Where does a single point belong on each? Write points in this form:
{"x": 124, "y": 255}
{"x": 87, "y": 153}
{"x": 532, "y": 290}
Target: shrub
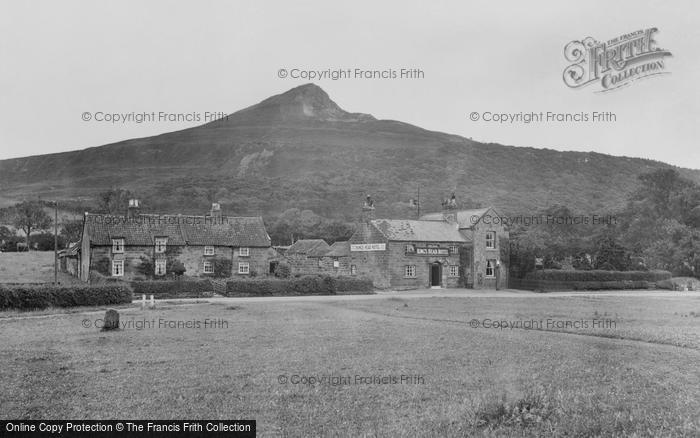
{"x": 172, "y": 288}
{"x": 283, "y": 271}
{"x": 598, "y": 275}
{"x": 178, "y": 268}
{"x": 353, "y": 284}
{"x": 43, "y": 296}
{"x": 304, "y": 285}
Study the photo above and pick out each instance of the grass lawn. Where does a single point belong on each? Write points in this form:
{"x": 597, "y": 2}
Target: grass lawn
{"x": 30, "y": 267}
{"x": 640, "y": 378}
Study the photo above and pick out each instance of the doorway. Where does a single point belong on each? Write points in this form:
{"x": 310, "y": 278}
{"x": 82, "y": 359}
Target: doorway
{"x": 435, "y": 275}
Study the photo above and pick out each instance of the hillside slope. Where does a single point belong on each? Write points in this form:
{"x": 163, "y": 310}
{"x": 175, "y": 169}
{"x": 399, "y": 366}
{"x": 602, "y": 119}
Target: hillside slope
{"x": 300, "y": 149}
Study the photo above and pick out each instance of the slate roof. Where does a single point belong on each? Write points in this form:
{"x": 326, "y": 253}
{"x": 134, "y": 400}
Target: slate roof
{"x": 419, "y": 230}
{"x": 309, "y": 247}
{"x": 179, "y": 229}
{"x": 339, "y": 249}
{"x": 465, "y": 218}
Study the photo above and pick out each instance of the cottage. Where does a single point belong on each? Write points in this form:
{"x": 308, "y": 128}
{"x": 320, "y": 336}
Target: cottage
{"x": 146, "y": 245}
{"x": 447, "y": 249}
{"x": 336, "y": 261}
{"x": 305, "y": 256}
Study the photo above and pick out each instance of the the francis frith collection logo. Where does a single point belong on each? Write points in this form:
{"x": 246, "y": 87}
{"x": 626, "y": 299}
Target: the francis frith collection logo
{"x": 614, "y": 63}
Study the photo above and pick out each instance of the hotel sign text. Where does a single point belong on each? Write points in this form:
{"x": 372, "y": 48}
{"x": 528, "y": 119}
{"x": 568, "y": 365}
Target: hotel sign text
{"x": 368, "y": 247}
{"x": 433, "y": 251}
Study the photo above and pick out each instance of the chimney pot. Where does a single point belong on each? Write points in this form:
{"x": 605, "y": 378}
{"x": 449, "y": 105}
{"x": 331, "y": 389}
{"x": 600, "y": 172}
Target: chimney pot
{"x": 133, "y": 210}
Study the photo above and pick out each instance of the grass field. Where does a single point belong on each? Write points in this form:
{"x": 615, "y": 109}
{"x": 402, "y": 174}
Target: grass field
{"x": 29, "y": 267}
{"x": 640, "y": 378}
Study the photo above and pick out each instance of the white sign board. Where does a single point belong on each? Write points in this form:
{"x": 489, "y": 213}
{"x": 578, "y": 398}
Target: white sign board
{"x": 368, "y": 247}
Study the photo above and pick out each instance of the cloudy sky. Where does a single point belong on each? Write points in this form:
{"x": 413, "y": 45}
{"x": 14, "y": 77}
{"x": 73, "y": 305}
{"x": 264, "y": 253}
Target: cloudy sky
{"x": 59, "y": 60}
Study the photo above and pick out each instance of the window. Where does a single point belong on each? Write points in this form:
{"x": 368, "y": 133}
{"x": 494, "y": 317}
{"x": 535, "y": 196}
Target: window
{"x": 320, "y": 263}
{"x": 454, "y": 271}
{"x": 208, "y": 250}
{"x": 336, "y": 263}
{"x": 353, "y": 270}
{"x": 244, "y": 268}
{"x": 160, "y": 266}
{"x": 243, "y": 252}
{"x": 491, "y": 239}
{"x": 410, "y": 249}
{"x": 161, "y": 243}
{"x": 491, "y": 268}
{"x": 208, "y": 267}
{"x": 454, "y": 249}
{"x": 117, "y": 246}
{"x": 118, "y": 268}
{"x": 410, "y": 271}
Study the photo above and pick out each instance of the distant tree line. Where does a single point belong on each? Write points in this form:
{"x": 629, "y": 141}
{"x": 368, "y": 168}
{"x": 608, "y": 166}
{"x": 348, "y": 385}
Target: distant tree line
{"x": 658, "y": 228}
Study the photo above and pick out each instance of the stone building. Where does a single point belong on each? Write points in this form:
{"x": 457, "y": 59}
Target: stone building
{"x": 336, "y": 261}
{"x": 139, "y": 246}
{"x": 452, "y": 248}
{"x": 305, "y": 256}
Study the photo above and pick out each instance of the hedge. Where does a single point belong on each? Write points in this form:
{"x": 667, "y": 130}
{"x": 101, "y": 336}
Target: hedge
{"x": 172, "y": 288}
{"x": 43, "y": 296}
{"x": 306, "y": 285}
{"x": 555, "y": 279}
{"x": 597, "y": 275}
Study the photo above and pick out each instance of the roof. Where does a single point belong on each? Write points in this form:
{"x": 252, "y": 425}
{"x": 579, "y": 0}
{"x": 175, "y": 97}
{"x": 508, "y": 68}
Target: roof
{"x": 72, "y": 250}
{"x": 309, "y": 247}
{"x": 179, "y": 230}
{"x": 339, "y": 249}
{"x": 419, "y": 230}
{"x": 465, "y": 218}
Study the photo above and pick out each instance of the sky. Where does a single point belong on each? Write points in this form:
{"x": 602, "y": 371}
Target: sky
{"x": 61, "y": 60}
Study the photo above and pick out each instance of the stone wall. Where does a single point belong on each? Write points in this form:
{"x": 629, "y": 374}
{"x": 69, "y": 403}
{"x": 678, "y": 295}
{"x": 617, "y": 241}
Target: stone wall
{"x": 192, "y": 257}
{"x": 370, "y": 264}
{"x": 399, "y": 259}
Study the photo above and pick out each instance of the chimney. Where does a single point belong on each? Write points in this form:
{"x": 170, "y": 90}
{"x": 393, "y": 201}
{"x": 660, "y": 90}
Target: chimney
{"x": 368, "y": 210}
{"x": 133, "y": 211}
{"x": 449, "y": 209}
{"x": 215, "y": 211}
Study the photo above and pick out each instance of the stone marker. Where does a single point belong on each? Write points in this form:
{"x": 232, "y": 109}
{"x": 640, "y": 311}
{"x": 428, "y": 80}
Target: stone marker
{"x": 111, "y": 321}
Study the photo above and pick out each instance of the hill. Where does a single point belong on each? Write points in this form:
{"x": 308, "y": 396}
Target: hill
{"x": 300, "y": 149}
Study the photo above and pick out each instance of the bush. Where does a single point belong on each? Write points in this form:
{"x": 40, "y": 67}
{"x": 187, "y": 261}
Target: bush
{"x": 549, "y": 280}
{"x": 283, "y": 271}
{"x": 172, "y": 288}
{"x": 597, "y": 275}
{"x": 353, "y": 284}
{"x": 305, "y": 285}
{"x": 43, "y": 296}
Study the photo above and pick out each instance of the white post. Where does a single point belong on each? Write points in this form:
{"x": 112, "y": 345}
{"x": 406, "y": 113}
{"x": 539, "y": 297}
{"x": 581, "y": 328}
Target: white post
{"x": 143, "y": 301}
{"x": 153, "y": 302}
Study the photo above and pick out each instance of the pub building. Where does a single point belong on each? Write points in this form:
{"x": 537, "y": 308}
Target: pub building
{"x": 452, "y": 248}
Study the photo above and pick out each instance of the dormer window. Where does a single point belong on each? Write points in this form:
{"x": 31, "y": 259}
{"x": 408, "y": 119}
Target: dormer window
{"x": 117, "y": 246}
{"x": 161, "y": 243}
{"x": 491, "y": 240}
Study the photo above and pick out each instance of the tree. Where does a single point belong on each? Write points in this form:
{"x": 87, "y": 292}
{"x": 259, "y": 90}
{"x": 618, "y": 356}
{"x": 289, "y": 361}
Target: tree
{"x": 72, "y": 230}
{"x": 30, "y": 215}
{"x": 114, "y": 201}
{"x": 5, "y": 233}
{"x": 611, "y": 255}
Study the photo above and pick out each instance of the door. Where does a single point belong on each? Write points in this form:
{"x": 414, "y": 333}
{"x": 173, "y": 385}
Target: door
{"x": 435, "y": 274}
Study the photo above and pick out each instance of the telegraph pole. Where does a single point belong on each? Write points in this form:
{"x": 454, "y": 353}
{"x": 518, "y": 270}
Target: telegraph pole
{"x": 55, "y": 244}
{"x": 418, "y": 203}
